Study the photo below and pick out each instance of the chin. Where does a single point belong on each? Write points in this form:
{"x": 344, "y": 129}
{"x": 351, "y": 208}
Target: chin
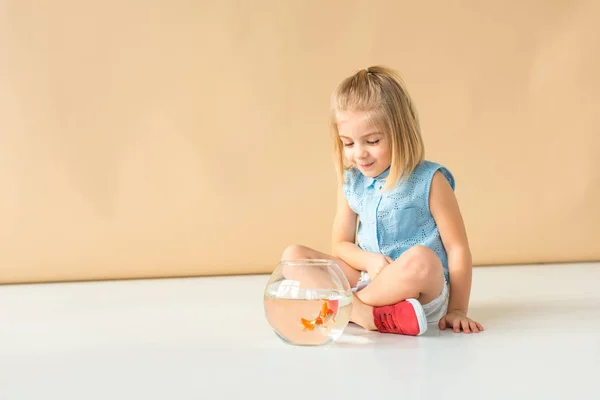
{"x": 371, "y": 173}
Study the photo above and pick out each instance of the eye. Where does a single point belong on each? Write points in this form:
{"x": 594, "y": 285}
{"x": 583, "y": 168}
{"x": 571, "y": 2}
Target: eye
{"x": 348, "y": 144}
{"x": 373, "y": 142}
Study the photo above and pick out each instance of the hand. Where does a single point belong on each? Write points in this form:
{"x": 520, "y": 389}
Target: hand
{"x": 376, "y": 263}
{"x": 458, "y": 320}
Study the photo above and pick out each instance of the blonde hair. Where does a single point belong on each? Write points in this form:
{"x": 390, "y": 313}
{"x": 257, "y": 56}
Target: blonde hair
{"x": 381, "y": 93}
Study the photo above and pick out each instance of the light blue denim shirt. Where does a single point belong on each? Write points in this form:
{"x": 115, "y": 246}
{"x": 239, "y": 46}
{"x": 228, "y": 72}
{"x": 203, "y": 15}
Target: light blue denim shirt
{"x": 393, "y": 221}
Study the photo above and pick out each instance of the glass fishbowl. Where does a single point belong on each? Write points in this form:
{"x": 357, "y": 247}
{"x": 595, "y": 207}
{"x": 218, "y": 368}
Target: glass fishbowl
{"x": 308, "y": 302}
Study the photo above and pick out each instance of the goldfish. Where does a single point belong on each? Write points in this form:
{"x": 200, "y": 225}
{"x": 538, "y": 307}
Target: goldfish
{"x": 325, "y": 315}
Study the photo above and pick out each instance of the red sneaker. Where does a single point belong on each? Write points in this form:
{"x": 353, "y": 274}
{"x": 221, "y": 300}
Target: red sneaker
{"x": 404, "y": 318}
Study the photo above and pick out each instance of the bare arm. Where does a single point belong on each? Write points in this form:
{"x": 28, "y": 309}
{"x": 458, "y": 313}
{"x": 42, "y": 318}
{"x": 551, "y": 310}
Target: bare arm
{"x": 344, "y": 235}
{"x": 445, "y": 211}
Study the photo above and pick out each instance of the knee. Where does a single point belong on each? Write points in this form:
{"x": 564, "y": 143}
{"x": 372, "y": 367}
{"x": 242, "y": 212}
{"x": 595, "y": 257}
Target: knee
{"x": 295, "y": 252}
{"x": 421, "y": 263}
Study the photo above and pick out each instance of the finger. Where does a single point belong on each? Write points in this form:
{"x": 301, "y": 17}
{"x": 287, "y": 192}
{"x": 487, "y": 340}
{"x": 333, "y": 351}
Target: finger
{"x": 473, "y": 326}
{"x": 456, "y": 326}
{"x": 465, "y": 326}
{"x": 442, "y": 324}
{"x": 479, "y": 326}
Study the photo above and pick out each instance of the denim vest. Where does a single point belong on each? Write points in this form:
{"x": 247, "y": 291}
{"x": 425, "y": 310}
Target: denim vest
{"x": 393, "y": 221}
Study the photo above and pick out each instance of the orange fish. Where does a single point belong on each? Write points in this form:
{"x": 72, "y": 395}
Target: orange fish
{"x": 310, "y": 325}
{"x": 325, "y": 314}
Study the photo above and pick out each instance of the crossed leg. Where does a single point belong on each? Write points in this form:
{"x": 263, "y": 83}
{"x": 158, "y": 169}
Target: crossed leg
{"x": 416, "y": 274}
{"x": 296, "y": 252}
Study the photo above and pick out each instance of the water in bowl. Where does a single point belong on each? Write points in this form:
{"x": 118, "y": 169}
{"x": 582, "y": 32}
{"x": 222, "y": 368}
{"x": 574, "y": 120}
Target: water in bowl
{"x": 307, "y": 316}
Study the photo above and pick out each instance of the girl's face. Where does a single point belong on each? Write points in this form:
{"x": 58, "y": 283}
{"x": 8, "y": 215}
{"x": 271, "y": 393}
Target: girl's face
{"x": 365, "y": 146}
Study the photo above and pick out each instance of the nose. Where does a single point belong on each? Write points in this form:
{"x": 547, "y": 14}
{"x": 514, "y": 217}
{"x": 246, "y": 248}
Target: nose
{"x": 361, "y": 151}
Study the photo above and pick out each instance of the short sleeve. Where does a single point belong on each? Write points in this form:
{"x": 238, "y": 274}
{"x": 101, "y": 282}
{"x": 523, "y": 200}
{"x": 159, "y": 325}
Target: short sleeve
{"x": 351, "y": 178}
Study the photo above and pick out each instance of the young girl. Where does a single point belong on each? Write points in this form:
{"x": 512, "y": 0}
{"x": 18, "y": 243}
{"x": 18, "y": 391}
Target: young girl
{"x": 409, "y": 262}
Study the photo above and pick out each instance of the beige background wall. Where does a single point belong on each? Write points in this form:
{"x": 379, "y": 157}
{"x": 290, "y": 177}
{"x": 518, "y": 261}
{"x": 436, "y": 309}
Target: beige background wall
{"x": 148, "y": 138}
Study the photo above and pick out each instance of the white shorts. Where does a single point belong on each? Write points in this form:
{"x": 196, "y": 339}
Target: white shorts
{"x": 434, "y": 310}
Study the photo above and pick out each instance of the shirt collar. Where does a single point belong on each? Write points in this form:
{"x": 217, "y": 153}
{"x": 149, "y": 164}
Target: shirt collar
{"x": 371, "y": 181}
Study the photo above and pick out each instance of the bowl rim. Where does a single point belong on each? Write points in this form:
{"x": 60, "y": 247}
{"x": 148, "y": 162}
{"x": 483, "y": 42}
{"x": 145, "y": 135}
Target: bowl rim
{"x": 309, "y": 261}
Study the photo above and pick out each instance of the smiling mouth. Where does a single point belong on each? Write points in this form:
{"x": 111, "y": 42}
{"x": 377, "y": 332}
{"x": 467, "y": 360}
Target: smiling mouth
{"x": 366, "y": 165}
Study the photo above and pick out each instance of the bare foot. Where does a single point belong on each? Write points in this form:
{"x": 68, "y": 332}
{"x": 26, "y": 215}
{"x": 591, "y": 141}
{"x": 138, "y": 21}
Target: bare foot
{"x": 362, "y": 314}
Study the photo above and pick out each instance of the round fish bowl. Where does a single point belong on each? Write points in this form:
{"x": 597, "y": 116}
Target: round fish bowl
{"x": 308, "y": 302}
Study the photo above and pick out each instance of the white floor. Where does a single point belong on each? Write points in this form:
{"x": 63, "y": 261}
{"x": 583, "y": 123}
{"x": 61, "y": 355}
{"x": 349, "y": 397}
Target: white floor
{"x": 207, "y": 338}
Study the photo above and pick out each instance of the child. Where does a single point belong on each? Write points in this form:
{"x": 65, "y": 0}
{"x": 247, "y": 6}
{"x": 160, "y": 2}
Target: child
{"x": 411, "y": 263}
